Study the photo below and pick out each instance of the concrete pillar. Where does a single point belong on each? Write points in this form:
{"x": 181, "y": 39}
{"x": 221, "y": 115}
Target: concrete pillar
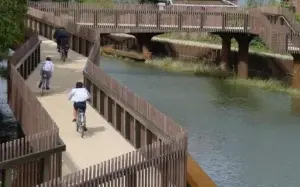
{"x": 296, "y": 71}
{"x": 225, "y": 52}
{"x": 243, "y": 54}
{"x": 144, "y": 43}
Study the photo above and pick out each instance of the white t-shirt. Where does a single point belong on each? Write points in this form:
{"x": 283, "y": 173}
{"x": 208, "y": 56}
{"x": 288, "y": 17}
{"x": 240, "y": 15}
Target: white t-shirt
{"x": 48, "y": 66}
{"x": 79, "y": 95}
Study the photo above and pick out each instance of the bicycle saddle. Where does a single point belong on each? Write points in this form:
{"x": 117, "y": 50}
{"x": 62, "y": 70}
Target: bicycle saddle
{"x": 80, "y": 110}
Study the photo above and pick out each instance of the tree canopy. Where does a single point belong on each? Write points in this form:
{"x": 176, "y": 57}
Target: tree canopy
{"x": 11, "y": 23}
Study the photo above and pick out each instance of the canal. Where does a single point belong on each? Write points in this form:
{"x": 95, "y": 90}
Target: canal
{"x": 242, "y": 137}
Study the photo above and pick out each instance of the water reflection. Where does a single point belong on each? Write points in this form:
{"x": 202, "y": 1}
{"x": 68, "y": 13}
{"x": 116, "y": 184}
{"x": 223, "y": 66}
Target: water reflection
{"x": 229, "y": 95}
{"x": 295, "y": 105}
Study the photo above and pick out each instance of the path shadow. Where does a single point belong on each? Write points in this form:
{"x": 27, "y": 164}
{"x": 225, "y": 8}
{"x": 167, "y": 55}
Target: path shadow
{"x": 93, "y": 130}
{"x": 68, "y": 164}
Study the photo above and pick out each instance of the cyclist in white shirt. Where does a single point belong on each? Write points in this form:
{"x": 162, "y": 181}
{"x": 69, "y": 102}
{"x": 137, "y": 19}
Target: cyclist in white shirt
{"x": 79, "y": 95}
{"x": 47, "y": 68}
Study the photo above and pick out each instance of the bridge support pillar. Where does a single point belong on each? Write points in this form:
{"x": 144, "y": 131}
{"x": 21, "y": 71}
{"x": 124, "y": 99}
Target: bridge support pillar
{"x": 243, "y": 54}
{"x": 144, "y": 43}
{"x": 296, "y": 71}
{"x": 225, "y": 53}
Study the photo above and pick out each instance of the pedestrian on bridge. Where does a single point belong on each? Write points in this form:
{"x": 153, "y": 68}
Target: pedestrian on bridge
{"x": 47, "y": 68}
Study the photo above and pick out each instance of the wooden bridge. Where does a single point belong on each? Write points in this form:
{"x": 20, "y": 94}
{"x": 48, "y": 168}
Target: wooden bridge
{"x": 158, "y": 145}
{"x": 276, "y": 26}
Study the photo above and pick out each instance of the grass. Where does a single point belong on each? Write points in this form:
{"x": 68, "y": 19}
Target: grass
{"x": 199, "y": 68}
{"x": 268, "y": 85}
{"x": 206, "y": 69}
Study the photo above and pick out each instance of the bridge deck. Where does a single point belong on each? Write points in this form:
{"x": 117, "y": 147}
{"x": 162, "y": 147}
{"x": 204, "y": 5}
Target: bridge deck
{"x": 102, "y": 141}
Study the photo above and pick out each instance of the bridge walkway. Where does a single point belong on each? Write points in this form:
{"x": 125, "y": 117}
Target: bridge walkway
{"x": 102, "y": 141}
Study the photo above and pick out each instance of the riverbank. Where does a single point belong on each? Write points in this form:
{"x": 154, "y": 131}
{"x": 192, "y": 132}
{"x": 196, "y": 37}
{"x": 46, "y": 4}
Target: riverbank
{"x": 179, "y": 42}
{"x": 269, "y": 71}
{"x": 198, "y": 68}
{"x": 202, "y": 68}
{"x": 261, "y": 64}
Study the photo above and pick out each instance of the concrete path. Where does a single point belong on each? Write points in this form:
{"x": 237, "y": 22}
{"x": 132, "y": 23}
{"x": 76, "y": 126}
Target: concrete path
{"x": 101, "y": 142}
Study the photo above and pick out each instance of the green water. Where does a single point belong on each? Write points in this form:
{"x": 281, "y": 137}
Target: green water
{"x": 242, "y": 137}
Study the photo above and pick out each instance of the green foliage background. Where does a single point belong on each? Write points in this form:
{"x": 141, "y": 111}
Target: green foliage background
{"x": 12, "y": 13}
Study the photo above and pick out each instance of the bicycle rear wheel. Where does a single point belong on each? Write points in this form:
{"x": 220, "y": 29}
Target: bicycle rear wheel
{"x": 42, "y": 93}
{"x": 43, "y": 87}
{"x": 77, "y": 126}
{"x": 81, "y": 130}
{"x": 63, "y": 57}
{"x": 63, "y": 54}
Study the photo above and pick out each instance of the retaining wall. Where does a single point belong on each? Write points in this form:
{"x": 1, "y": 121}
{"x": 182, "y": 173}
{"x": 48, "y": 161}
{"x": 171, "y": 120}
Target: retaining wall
{"x": 265, "y": 65}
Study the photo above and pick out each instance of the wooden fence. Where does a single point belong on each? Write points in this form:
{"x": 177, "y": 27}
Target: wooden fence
{"x": 36, "y": 157}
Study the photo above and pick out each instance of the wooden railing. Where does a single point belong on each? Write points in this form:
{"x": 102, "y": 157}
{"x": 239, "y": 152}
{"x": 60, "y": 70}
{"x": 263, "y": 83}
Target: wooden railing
{"x": 37, "y": 156}
{"x": 150, "y": 20}
{"x": 288, "y": 35}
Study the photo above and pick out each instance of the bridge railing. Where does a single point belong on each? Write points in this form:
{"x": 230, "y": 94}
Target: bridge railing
{"x": 36, "y": 156}
{"x": 159, "y": 164}
{"x": 54, "y": 6}
{"x": 151, "y": 20}
{"x": 285, "y": 12}
{"x": 23, "y": 62}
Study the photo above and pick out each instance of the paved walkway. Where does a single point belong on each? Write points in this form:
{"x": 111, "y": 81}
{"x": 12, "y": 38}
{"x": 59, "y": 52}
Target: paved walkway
{"x": 101, "y": 141}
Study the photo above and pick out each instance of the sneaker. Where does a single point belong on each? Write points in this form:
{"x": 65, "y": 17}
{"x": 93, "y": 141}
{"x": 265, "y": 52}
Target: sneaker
{"x": 47, "y": 88}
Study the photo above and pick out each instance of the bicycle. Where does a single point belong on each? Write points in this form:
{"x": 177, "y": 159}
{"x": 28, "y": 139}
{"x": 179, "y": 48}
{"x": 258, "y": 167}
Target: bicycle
{"x": 44, "y": 81}
{"x": 81, "y": 122}
{"x": 63, "y": 53}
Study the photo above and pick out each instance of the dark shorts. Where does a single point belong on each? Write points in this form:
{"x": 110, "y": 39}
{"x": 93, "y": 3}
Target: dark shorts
{"x": 62, "y": 41}
{"x": 80, "y": 105}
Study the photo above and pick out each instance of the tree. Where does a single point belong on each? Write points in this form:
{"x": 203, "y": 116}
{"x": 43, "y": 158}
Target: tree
{"x": 11, "y": 23}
